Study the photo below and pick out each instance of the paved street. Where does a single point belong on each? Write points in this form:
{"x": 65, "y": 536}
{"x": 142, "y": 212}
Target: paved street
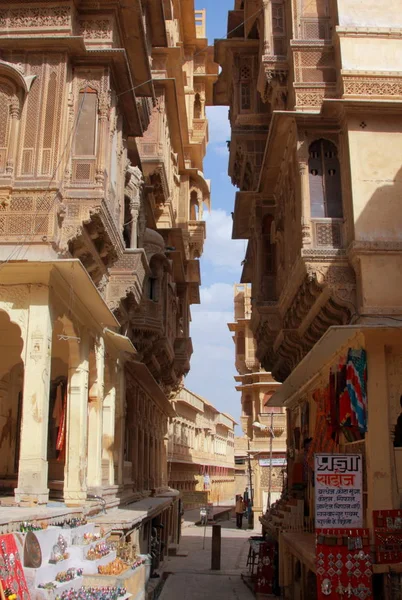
{"x": 192, "y": 578}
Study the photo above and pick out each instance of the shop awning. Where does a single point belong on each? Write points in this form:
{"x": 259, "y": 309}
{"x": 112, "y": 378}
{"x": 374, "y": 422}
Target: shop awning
{"x": 120, "y": 342}
{"x": 323, "y": 352}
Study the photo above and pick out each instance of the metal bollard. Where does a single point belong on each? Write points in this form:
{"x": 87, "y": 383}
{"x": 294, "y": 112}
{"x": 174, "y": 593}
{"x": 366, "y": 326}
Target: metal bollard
{"x": 216, "y": 548}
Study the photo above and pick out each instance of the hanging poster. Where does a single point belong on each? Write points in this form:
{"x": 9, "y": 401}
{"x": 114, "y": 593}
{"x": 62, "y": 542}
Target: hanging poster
{"x": 338, "y": 490}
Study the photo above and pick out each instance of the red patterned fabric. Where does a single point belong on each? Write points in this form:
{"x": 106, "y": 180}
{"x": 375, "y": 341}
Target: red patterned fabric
{"x": 16, "y": 579}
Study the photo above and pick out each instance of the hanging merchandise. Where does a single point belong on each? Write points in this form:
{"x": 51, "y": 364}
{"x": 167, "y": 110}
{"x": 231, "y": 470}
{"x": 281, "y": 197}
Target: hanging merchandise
{"x": 356, "y": 381}
{"x": 265, "y": 568}
{"x": 12, "y": 578}
{"x": 344, "y": 566}
{"x": 388, "y": 536}
{"x": 61, "y": 436}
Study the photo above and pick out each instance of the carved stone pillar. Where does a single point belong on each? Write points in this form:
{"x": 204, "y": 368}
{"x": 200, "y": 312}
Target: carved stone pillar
{"x": 95, "y": 419}
{"x": 302, "y": 155}
{"x": 108, "y": 424}
{"x": 104, "y": 105}
{"x": 120, "y": 422}
{"x": 75, "y": 484}
{"x": 12, "y": 143}
{"x": 133, "y": 191}
{"x": 33, "y": 465}
{"x": 268, "y": 39}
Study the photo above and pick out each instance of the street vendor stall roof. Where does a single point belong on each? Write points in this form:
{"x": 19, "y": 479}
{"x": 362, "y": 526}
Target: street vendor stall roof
{"x": 320, "y": 355}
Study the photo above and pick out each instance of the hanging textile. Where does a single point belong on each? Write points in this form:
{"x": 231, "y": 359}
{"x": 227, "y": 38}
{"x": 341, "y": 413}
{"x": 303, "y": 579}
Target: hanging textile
{"x": 322, "y": 440}
{"x": 61, "y": 436}
{"x": 356, "y": 381}
{"x": 58, "y": 405}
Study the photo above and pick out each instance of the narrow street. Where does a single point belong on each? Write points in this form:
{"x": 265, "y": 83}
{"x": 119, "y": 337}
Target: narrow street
{"x": 191, "y": 576}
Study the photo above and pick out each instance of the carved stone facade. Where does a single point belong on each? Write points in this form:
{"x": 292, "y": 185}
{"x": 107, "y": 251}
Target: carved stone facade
{"x": 320, "y": 212}
{"x": 264, "y": 427}
{"x": 101, "y": 199}
{"x": 201, "y": 450}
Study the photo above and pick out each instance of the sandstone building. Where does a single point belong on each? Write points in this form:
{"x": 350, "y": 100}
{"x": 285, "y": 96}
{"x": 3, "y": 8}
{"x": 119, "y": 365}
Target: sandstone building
{"x": 102, "y": 137}
{"x": 201, "y": 451}
{"x": 315, "y": 96}
{"x": 264, "y": 426}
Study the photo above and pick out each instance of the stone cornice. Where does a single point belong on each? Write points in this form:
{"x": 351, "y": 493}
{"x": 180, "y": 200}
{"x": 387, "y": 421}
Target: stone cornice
{"x": 383, "y": 32}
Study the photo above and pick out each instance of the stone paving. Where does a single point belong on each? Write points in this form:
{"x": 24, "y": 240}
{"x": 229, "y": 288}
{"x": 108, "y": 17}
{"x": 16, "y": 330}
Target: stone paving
{"x": 191, "y": 577}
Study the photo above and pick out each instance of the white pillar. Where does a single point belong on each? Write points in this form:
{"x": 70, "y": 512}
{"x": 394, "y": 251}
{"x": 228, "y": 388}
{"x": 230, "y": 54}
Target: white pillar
{"x": 33, "y": 465}
{"x": 75, "y": 481}
{"x": 109, "y": 419}
{"x": 95, "y": 419}
{"x": 120, "y": 421}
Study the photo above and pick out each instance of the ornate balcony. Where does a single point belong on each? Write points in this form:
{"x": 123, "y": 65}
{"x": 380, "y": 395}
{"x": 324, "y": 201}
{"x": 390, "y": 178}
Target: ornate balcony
{"x": 183, "y": 349}
{"x": 221, "y": 419}
{"x": 127, "y": 278}
{"x": 278, "y": 422}
{"x": 197, "y": 231}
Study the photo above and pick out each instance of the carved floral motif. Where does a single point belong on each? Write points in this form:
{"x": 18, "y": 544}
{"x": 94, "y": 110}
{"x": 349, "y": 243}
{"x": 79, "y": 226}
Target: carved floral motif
{"x": 49, "y": 16}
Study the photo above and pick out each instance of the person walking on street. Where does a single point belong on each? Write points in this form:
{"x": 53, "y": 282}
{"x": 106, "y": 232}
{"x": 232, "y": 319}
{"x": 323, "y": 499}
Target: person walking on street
{"x": 239, "y": 512}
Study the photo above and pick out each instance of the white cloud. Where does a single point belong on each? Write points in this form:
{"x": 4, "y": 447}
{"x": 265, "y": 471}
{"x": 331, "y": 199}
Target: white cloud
{"x": 219, "y": 296}
{"x": 212, "y": 364}
{"x": 218, "y": 124}
{"x": 220, "y": 150}
{"x": 219, "y": 249}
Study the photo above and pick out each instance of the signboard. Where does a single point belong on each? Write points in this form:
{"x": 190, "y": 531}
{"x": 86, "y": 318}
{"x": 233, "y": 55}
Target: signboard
{"x": 207, "y": 482}
{"x": 338, "y": 490}
{"x": 194, "y": 499}
{"x": 276, "y": 462}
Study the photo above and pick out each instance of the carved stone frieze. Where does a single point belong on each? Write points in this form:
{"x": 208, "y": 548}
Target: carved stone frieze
{"x": 372, "y": 86}
{"x": 96, "y": 28}
{"x": 35, "y": 17}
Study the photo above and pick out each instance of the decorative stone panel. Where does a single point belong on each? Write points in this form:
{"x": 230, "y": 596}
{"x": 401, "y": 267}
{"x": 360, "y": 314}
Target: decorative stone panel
{"x": 36, "y": 19}
{"x": 29, "y": 215}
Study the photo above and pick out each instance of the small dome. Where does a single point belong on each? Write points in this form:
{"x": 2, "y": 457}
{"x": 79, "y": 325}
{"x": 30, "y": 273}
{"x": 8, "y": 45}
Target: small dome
{"x": 153, "y": 243}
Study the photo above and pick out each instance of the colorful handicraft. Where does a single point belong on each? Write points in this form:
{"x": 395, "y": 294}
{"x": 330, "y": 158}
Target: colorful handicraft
{"x": 12, "y": 576}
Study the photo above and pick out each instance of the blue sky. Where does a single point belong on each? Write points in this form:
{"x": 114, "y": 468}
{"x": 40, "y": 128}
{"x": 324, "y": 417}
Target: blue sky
{"x": 212, "y": 365}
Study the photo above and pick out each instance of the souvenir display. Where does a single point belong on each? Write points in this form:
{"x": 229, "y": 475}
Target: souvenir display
{"x": 102, "y": 593}
{"x": 72, "y": 523}
{"x": 32, "y": 551}
{"x": 115, "y": 567}
{"x": 344, "y": 564}
{"x": 86, "y": 538}
{"x": 12, "y": 576}
{"x": 57, "y": 554}
{"x": 34, "y": 526}
{"x": 388, "y": 536}
{"x": 97, "y": 551}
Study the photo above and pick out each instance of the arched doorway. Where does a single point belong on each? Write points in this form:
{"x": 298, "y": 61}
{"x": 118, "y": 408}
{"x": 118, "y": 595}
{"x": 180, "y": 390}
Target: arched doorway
{"x": 11, "y": 387}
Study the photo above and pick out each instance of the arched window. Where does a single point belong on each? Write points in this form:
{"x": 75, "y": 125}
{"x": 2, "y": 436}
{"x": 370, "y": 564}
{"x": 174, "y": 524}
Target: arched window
{"x": 194, "y": 206}
{"x": 240, "y": 343}
{"x": 268, "y": 246}
{"x": 197, "y": 107}
{"x": 5, "y": 101}
{"x": 325, "y": 180}
{"x": 127, "y": 222}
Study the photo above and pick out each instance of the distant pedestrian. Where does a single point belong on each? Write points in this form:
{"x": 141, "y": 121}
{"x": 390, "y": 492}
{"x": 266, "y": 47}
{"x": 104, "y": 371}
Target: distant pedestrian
{"x": 240, "y": 508}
